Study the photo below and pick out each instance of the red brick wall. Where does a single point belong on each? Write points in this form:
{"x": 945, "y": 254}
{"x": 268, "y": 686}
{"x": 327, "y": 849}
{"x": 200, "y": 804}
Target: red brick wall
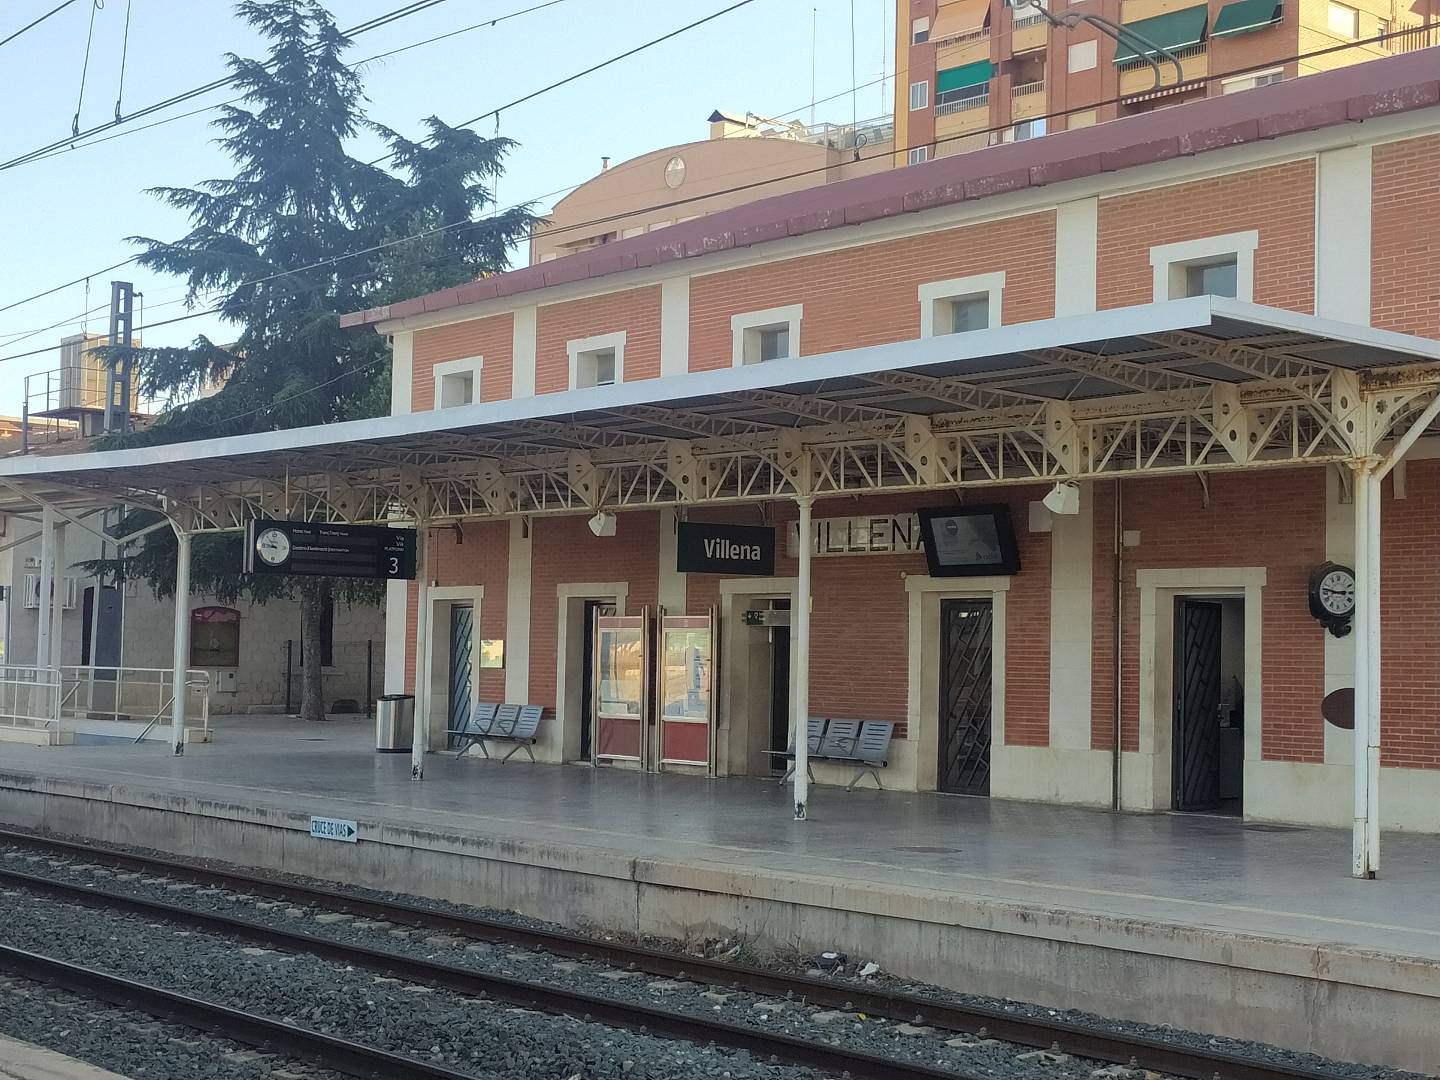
{"x": 635, "y": 311}
{"x": 564, "y": 550}
{"x": 1405, "y": 250}
{"x": 1245, "y": 517}
{"x": 482, "y": 559}
{"x": 859, "y": 622}
{"x": 492, "y": 338}
{"x": 868, "y": 295}
{"x": 1279, "y": 201}
{"x": 1410, "y": 636}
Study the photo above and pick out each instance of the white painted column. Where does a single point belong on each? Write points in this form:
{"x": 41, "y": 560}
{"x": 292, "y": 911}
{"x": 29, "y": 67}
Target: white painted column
{"x": 1342, "y": 234}
{"x": 397, "y": 593}
{"x": 672, "y": 582}
{"x": 47, "y": 587}
{"x": 674, "y": 327}
{"x": 522, "y": 353}
{"x": 1339, "y": 651}
{"x": 517, "y": 613}
{"x": 1077, "y": 228}
{"x": 1072, "y": 629}
{"x": 800, "y": 666}
{"x": 181, "y": 655}
{"x": 57, "y": 600}
{"x": 1366, "y": 629}
{"x": 420, "y": 738}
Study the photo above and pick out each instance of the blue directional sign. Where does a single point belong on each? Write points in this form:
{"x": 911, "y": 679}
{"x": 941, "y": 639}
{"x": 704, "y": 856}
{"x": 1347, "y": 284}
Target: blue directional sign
{"x": 329, "y": 828}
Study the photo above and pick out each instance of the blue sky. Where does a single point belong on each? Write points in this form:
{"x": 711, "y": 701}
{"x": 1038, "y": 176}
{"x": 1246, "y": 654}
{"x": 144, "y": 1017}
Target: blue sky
{"x": 67, "y": 215}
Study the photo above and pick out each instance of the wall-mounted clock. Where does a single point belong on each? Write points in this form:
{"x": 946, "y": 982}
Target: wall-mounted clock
{"x": 1332, "y": 596}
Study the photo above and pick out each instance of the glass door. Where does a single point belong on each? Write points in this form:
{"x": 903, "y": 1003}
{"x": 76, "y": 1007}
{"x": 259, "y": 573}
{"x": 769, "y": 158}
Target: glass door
{"x": 621, "y": 688}
{"x": 687, "y": 698}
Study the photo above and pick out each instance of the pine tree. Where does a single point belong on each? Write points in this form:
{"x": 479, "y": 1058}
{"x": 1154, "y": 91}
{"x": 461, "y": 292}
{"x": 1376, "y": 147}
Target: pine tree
{"x": 300, "y": 234}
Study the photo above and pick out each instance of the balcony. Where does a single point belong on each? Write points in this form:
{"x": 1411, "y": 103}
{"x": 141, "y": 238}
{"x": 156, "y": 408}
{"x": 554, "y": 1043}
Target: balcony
{"x": 976, "y": 101}
{"x": 1138, "y": 77}
{"x": 958, "y": 50}
{"x": 1027, "y": 100}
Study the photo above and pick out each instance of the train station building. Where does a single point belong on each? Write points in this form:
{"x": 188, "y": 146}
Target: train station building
{"x": 1174, "y": 377}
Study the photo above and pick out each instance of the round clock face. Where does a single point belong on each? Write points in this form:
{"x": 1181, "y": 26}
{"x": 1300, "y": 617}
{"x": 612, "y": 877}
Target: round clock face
{"x": 273, "y": 546}
{"x": 1336, "y": 592}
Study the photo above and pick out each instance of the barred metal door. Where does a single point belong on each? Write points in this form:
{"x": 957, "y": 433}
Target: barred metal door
{"x": 965, "y": 640}
{"x": 1195, "y": 764}
{"x": 462, "y": 634}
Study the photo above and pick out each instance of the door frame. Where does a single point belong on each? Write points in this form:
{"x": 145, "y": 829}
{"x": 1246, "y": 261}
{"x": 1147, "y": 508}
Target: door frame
{"x": 734, "y": 752}
{"x": 437, "y": 651}
{"x": 920, "y": 751}
{"x": 563, "y": 743}
{"x": 1146, "y": 775}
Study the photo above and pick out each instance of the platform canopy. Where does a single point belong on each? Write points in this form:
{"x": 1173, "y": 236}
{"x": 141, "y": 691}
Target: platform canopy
{"x": 1181, "y": 386}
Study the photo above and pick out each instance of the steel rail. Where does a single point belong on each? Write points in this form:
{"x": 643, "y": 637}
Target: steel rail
{"x": 275, "y": 1036}
{"x": 645, "y": 1019}
{"x": 1196, "y": 1062}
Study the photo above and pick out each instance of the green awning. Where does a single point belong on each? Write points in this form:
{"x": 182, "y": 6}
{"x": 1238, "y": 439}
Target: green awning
{"x": 960, "y": 77}
{"x": 1245, "y": 15}
{"x": 1173, "y": 30}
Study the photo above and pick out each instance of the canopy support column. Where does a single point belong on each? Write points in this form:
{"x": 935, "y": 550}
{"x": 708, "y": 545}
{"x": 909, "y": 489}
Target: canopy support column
{"x": 420, "y": 740}
{"x": 1365, "y": 841}
{"x": 800, "y": 643}
{"x": 47, "y": 588}
{"x": 181, "y": 655}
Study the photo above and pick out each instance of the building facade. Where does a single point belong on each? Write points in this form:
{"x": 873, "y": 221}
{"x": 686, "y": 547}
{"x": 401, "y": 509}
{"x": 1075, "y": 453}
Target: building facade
{"x": 1318, "y": 200}
{"x": 976, "y": 72}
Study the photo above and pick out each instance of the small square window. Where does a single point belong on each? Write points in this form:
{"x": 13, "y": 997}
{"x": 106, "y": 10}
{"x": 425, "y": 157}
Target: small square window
{"x": 918, "y": 155}
{"x": 969, "y": 313}
{"x": 920, "y": 31}
{"x": 961, "y": 305}
{"x": 1082, "y": 56}
{"x": 774, "y": 342}
{"x": 1214, "y": 277}
{"x": 919, "y": 95}
{"x": 1343, "y": 20}
{"x": 597, "y": 368}
{"x": 597, "y": 361}
{"x": 457, "y": 382}
{"x": 759, "y": 337}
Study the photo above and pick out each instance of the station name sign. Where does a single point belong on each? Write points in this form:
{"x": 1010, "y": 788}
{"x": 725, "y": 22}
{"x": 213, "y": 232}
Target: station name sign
{"x": 313, "y": 549}
{"x": 704, "y": 548}
{"x": 879, "y": 534}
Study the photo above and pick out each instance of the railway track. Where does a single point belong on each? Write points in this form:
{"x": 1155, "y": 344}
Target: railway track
{"x": 1139, "y": 1052}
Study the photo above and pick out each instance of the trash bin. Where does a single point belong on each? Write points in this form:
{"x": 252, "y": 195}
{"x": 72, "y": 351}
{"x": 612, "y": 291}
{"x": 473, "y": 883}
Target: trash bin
{"x": 394, "y": 723}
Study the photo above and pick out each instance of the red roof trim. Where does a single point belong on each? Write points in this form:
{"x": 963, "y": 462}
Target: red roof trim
{"x": 1361, "y": 92}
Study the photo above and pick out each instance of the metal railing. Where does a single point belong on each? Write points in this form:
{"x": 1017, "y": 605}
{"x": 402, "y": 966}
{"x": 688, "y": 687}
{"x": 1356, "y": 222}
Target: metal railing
{"x": 29, "y": 696}
{"x": 1022, "y": 21}
{"x": 1187, "y": 53}
{"x": 1024, "y": 89}
{"x": 975, "y": 101}
{"x": 1414, "y": 37}
{"x": 139, "y": 695}
{"x": 980, "y": 33}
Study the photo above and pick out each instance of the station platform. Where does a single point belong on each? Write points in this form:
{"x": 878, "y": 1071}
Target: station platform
{"x": 1247, "y": 930}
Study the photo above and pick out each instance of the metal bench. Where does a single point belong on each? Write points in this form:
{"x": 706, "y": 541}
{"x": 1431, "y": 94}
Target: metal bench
{"x": 516, "y": 724}
{"x": 814, "y": 733}
{"x": 864, "y": 743}
{"x": 475, "y": 728}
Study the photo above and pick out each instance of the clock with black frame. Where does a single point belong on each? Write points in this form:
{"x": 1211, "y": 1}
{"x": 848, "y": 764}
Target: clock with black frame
{"x": 1332, "y": 596}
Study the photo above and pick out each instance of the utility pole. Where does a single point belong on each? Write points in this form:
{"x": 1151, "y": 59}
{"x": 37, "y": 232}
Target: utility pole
{"x": 117, "y": 372}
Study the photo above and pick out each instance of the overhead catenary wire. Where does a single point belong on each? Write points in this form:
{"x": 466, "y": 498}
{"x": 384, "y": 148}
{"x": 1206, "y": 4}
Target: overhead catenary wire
{"x": 124, "y": 55}
{"x": 95, "y": 6}
{"x": 36, "y": 22}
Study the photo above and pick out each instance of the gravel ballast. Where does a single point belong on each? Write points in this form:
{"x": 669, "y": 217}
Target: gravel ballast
{"x": 796, "y": 1018}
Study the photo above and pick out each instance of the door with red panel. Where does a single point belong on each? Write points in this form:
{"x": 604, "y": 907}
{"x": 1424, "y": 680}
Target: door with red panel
{"x": 622, "y": 690}
{"x": 687, "y": 690}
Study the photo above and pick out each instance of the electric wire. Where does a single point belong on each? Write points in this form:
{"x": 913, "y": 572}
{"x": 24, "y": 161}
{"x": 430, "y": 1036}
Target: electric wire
{"x": 36, "y": 22}
{"x": 95, "y": 6}
{"x": 124, "y": 54}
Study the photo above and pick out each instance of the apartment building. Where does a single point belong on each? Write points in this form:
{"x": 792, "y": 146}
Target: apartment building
{"x": 973, "y": 73}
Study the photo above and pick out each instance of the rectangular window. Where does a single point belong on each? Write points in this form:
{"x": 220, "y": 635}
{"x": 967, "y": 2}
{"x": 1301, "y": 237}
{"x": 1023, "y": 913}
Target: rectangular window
{"x": 457, "y": 382}
{"x": 1083, "y": 55}
{"x": 920, "y": 31}
{"x": 919, "y": 95}
{"x": 761, "y": 336}
{"x": 1343, "y": 20}
{"x": 596, "y": 361}
{"x": 961, "y": 305}
{"x": 1029, "y": 129}
{"x": 1215, "y": 278}
{"x": 918, "y": 155}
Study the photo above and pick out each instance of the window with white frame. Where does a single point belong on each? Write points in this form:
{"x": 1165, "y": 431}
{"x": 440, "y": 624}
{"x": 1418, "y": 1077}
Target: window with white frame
{"x": 919, "y": 95}
{"x": 1027, "y": 129}
{"x": 596, "y": 361}
{"x": 918, "y": 155}
{"x": 1211, "y": 266}
{"x": 920, "y": 30}
{"x": 457, "y": 382}
{"x": 1342, "y": 20}
{"x": 960, "y": 305}
{"x": 1082, "y": 56}
{"x": 758, "y": 337}
{"x": 1249, "y": 82}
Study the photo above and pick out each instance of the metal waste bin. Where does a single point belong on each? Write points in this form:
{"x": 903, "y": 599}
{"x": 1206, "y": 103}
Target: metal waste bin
{"x": 394, "y": 723}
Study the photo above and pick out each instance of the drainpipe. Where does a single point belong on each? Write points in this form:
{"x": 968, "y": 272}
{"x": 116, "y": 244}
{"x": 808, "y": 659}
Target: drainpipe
{"x": 1118, "y": 638}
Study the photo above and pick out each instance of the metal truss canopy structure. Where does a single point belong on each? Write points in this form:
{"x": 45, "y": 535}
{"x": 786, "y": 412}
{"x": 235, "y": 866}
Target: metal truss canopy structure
{"x": 1183, "y": 386}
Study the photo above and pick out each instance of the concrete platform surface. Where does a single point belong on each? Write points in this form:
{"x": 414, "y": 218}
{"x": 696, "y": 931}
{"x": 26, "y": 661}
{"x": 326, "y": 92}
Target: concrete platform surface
{"x": 1251, "y": 930}
{"x": 1196, "y": 870}
{"x": 25, "y": 1061}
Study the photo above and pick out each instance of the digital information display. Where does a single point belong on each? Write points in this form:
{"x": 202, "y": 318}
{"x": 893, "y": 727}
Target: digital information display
{"x": 313, "y": 549}
{"x": 969, "y": 541}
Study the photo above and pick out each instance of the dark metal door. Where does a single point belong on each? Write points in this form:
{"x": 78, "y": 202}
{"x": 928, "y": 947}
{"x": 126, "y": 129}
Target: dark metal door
{"x": 462, "y": 639}
{"x": 779, "y": 693}
{"x": 1195, "y": 764}
{"x": 965, "y": 642}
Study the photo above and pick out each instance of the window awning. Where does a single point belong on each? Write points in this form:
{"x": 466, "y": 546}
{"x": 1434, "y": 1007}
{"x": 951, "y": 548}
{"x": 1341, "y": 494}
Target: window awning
{"x": 961, "y": 77}
{"x": 1244, "y": 16}
{"x": 1173, "y": 30}
{"x": 962, "y": 17}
